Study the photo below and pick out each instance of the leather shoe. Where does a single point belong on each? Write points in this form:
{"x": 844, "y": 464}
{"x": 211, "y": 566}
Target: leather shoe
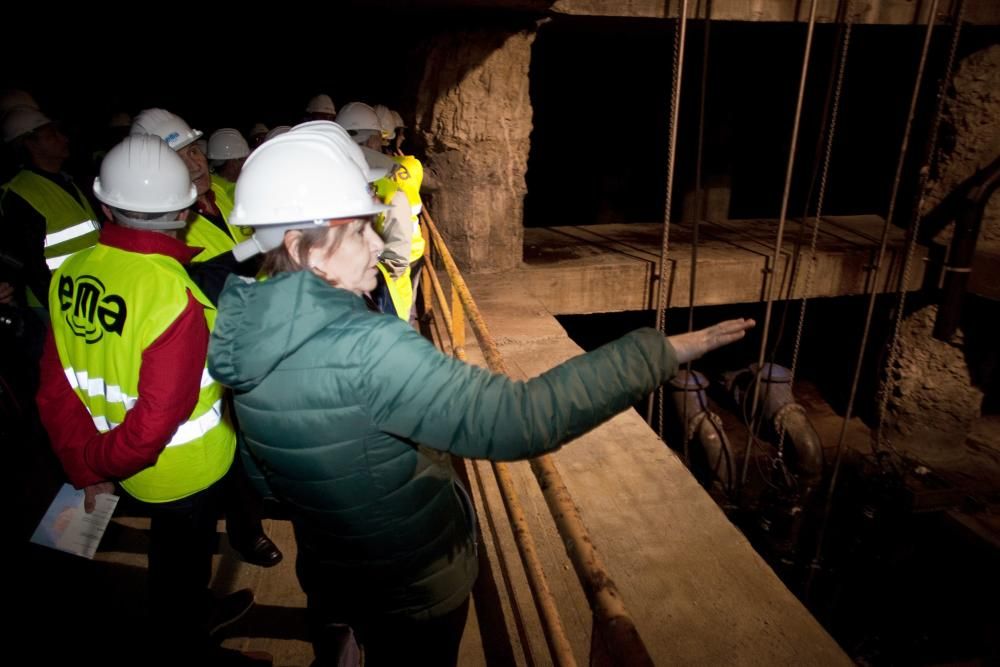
{"x": 262, "y": 552}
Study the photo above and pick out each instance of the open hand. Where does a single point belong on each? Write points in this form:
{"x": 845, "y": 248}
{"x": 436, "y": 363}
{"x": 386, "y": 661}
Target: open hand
{"x": 694, "y": 344}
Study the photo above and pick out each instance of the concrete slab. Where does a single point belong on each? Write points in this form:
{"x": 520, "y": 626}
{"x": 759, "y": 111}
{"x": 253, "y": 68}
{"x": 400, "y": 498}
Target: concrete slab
{"x": 697, "y": 590}
{"x": 612, "y": 268}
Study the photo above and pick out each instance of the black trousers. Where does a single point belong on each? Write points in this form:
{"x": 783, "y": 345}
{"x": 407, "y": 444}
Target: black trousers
{"x": 182, "y": 540}
{"x": 243, "y": 507}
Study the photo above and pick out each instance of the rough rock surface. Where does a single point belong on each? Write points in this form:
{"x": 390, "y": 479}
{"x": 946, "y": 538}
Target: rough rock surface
{"x": 933, "y": 398}
{"x": 473, "y": 117}
{"x": 970, "y": 134}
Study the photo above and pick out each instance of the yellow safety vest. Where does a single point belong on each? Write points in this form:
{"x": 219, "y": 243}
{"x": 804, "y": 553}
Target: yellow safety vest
{"x": 70, "y": 223}
{"x": 227, "y": 186}
{"x": 202, "y": 233}
{"x": 107, "y": 306}
{"x": 407, "y": 179}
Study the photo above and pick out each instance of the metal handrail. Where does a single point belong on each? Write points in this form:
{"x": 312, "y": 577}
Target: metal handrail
{"x": 612, "y": 619}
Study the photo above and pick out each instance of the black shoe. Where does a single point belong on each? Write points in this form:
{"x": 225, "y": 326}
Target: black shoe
{"x": 262, "y": 552}
{"x": 229, "y": 609}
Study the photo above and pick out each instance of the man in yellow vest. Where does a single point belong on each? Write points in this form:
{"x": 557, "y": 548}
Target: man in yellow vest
{"x": 46, "y": 217}
{"x": 210, "y": 233}
{"x": 125, "y": 394}
{"x": 209, "y": 229}
{"x": 399, "y": 228}
{"x": 227, "y": 151}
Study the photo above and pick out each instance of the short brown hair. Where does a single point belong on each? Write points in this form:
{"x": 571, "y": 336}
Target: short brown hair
{"x": 280, "y": 260}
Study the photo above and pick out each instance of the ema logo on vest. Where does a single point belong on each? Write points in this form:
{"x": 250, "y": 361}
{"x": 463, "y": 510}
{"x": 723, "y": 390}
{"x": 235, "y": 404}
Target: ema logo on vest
{"x": 88, "y": 311}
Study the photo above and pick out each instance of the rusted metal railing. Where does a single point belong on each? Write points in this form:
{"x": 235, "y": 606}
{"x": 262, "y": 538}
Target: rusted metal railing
{"x": 612, "y": 621}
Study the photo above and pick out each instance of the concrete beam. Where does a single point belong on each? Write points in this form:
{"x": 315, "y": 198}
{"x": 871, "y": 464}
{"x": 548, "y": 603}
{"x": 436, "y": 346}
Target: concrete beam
{"x": 611, "y": 268}
{"x": 901, "y": 12}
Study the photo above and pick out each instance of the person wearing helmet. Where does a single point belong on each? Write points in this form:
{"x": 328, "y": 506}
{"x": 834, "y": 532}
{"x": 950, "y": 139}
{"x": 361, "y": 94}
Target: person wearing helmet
{"x": 386, "y": 123}
{"x": 257, "y": 134}
{"x": 394, "y": 293}
{"x": 276, "y": 131}
{"x": 407, "y": 178}
{"x": 208, "y": 229}
{"x": 399, "y": 135}
{"x": 125, "y": 393}
{"x": 349, "y": 415}
{"x": 320, "y": 107}
{"x": 227, "y": 149}
{"x": 210, "y": 232}
{"x": 46, "y": 217}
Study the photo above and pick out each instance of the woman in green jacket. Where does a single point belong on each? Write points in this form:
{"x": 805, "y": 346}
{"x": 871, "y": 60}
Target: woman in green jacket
{"x": 350, "y": 415}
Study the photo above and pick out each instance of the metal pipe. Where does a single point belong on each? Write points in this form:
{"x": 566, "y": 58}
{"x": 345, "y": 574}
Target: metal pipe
{"x": 702, "y": 425}
{"x": 611, "y": 616}
{"x": 787, "y": 417}
{"x": 555, "y": 634}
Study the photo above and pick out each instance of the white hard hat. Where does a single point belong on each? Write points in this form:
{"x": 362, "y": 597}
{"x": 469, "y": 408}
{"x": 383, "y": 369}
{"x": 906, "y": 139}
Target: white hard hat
{"x": 19, "y": 121}
{"x": 339, "y": 135}
{"x": 321, "y": 104}
{"x": 276, "y": 132}
{"x": 397, "y": 120}
{"x": 142, "y": 174}
{"x": 385, "y": 121}
{"x": 360, "y": 120}
{"x": 296, "y": 181}
{"x": 12, "y": 98}
{"x": 227, "y": 144}
{"x": 168, "y": 126}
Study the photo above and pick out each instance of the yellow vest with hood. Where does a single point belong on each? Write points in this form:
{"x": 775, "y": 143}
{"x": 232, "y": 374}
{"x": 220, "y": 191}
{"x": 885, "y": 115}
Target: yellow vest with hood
{"x": 407, "y": 179}
{"x": 107, "y": 306}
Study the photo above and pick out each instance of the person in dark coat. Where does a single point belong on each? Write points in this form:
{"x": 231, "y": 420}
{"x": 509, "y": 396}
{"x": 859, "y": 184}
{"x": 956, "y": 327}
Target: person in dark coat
{"x": 349, "y": 415}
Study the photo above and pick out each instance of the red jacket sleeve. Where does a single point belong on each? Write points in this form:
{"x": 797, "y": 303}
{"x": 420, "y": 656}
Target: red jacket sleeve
{"x": 169, "y": 384}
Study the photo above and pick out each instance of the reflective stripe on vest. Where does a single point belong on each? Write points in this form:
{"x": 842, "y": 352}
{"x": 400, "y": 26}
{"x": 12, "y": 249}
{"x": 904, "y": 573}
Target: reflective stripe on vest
{"x": 107, "y": 306}
{"x": 187, "y": 432}
{"x": 76, "y": 231}
{"x": 85, "y": 227}
{"x": 112, "y": 393}
{"x": 69, "y": 221}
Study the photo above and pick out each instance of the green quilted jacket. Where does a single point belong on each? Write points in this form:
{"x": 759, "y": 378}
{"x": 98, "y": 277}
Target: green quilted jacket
{"x": 349, "y": 415}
